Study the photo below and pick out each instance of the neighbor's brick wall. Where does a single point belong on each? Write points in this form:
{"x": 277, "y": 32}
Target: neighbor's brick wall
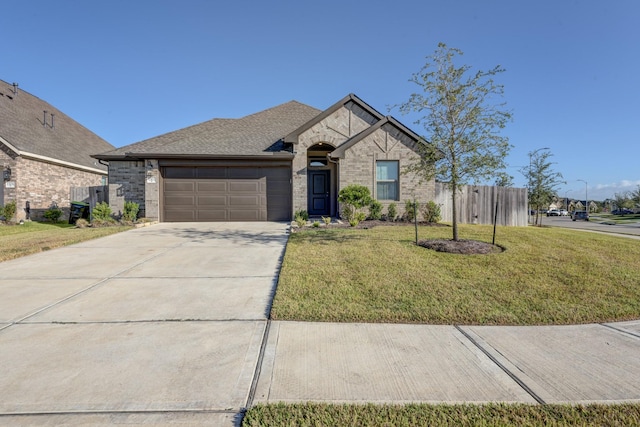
{"x": 43, "y": 183}
{"x": 126, "y": 183}
{"x": 387, "y": 143}
{"x": 333, "y": 130}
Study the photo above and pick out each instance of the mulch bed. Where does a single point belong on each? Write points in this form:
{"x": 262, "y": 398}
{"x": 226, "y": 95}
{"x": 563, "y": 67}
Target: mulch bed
{"x": 465, "y": 247}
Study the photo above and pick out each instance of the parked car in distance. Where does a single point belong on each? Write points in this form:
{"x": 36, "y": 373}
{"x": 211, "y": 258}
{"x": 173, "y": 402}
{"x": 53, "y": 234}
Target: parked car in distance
{"x": 564, "y": 212}
{"x": 581, "y": 215}
{"x": 622, "y": 211}
{"x": 553, "y": 212}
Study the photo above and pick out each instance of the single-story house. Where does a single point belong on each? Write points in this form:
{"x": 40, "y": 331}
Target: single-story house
{"x": 43, "y": 153}
{"x": 268, "y": 165}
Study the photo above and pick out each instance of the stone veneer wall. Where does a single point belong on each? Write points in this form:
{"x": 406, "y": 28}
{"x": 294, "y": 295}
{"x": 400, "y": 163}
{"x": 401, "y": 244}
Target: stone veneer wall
{"x": 127, "y": 184}
{"x": 7, "y": 159}
{"x": 333, "y": 130}
{"x": 43, "y": 184}
{"x": 387, "y": 143}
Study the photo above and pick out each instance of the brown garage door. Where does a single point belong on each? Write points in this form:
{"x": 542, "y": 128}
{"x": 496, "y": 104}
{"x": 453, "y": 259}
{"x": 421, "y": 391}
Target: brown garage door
{"x": 218, "y": 193}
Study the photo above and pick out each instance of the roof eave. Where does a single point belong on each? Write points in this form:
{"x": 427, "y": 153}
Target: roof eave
{"x": 145, "y": 156}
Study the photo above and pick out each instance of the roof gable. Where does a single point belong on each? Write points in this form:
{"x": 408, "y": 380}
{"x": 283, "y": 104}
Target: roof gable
{"x": 292, "y": 138}
{"x": 31, "y": 126}
{"x": 340, "y": 151}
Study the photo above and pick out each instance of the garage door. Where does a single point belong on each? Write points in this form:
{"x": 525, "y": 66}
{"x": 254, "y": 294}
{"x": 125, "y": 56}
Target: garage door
{"x": 226, "y": 193}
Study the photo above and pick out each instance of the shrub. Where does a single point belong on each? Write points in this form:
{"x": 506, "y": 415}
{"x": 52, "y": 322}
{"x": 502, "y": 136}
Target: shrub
{"x": 8, "y": 211}
{"x": 431, "y": 212}
{"x": 375, "y": 210}
{"x": 101, "y": 212}
{"x": 316, "y": 224}
{"x": 353, "y": 198}
{"x": 302, "y": 214}
{"x": 409, "y": 212}
{"x": 326, "y": 219}
{"x": 53, "y": 214}
{"x": 130, "y": 211}
{"x": 392, "y": 212}
{"x": 300, "y": 221}
{"x": 357, "y": 218}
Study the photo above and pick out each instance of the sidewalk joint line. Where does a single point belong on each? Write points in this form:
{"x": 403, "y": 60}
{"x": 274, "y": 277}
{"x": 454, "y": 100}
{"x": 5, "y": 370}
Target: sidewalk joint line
{"x": 622, "y": 331}
{"x": 501, "y": 366}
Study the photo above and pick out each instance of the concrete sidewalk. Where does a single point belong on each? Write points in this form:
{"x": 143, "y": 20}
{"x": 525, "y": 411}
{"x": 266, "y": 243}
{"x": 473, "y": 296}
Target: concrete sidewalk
{"x": 167, "y": 325}
{"x": 389, "y": 363}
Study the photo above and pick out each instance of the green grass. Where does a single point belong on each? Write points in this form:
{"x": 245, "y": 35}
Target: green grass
{"x": 312, "y": 414}
{"x": 32, "y": 237}
{"x": 545, "y": 276}
{"x": 615, "y": 219}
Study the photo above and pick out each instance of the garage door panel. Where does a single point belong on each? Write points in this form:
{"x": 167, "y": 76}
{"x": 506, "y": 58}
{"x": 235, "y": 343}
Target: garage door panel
{"x": 226, "y": 194}
{"x": 182, "y": 186}
{"x": 178, "y": 201}
{"x": 216, "y": 186}
{"x": 249, "y": 201}
{"x": 244, "y": 186}
{"x": 207, "y": 201}
{"x": 212, "y": 215}
{"x": 180, "y": 216}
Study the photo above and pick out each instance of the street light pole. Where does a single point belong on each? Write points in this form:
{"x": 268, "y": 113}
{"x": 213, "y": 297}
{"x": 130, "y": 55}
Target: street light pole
{"x": 531, "y": 154}
{"x": 586, "y": 197}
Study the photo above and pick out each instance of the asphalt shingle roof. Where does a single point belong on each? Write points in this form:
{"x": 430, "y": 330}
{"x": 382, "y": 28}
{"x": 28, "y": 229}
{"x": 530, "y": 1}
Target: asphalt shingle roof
{"x": 254, "y": 135}
{"x": 22, "y": 124}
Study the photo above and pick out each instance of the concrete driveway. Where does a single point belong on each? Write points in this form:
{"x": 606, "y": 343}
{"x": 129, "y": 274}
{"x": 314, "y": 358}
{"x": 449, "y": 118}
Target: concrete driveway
{"x": 158, "y": 325}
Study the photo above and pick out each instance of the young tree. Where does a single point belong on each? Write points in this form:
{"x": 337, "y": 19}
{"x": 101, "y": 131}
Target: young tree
{"x": 623, "y": 200}
{"x": 635, "y": 196}
{"x": 462, "y": 120}
{"x": 542, "y": 180}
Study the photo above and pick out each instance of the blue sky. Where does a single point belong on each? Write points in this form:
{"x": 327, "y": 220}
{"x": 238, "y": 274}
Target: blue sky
{"x": 133, "y": 69}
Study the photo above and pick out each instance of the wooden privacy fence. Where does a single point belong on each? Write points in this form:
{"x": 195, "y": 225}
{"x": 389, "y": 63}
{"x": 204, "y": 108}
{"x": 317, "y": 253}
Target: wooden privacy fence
{"x": 90, "y": 195}
{"x": 476, "y": 204}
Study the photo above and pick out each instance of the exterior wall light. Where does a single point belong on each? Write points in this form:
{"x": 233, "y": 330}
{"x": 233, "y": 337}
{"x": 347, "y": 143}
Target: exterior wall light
{"x": 6, "y": 174}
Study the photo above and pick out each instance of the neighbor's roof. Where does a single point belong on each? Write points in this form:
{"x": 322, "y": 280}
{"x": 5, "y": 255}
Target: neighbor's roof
{"x": 27, "y": 130}
{"x": 257, "y": 134}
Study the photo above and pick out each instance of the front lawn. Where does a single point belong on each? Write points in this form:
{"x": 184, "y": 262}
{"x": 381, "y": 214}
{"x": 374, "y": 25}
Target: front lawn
{"x": 32, "y": 237}
{"x": 545, "y": 276}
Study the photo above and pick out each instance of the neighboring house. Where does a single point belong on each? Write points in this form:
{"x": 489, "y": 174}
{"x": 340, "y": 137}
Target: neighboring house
{"x": 43, "y": 153}
{"x": 268, "y": 165}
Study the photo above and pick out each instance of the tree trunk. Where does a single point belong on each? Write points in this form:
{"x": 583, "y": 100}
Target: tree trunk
{"x": 455, "y": 214}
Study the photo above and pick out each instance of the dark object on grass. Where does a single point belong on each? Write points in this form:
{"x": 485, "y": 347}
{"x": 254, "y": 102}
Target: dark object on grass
{"x": 464, "y": 247}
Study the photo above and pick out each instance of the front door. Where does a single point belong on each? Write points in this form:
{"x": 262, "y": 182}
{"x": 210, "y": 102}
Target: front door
{"x": 319, "y": 192}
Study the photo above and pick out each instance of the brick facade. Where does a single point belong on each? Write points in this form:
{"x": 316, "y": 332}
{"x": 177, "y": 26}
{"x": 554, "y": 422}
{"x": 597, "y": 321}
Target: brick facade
{"x": 333, "y": 130}
{"x": 43, "y": 184}
{"x": 127, "y": 183}
{"x": 359, "y": 164}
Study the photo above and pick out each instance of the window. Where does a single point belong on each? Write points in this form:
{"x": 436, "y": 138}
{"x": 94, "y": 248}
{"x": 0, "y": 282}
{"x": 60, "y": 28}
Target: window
{"x": 387, "y": 180}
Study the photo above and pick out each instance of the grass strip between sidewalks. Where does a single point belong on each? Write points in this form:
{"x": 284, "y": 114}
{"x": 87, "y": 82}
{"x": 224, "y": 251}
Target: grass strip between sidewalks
{"x": 33, "y": 237}
{"x": 493, "y": 414}
{"x": 545, "y": 276}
